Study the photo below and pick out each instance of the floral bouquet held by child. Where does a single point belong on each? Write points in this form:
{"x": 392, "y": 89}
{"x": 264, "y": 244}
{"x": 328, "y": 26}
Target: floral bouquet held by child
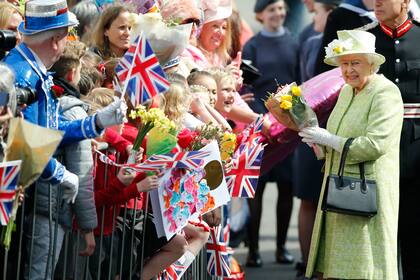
{"x": 289, "y": 107}
{"x": 153, "y": 118}
{"x": 209, "y": 132}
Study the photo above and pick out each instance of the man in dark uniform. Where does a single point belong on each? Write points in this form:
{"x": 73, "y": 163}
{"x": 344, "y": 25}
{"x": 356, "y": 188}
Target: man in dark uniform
{"x": 398, "y": 39}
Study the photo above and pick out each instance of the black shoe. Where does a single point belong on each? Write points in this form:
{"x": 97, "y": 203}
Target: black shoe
{"x": 300, "y": 271}
{"x": 300, "y": 266}
{"x": 254, "y": 260}
{"x": 284, "y": 257}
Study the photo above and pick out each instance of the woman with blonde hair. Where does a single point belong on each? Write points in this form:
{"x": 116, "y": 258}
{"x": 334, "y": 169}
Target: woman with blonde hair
{"x": 214, "y": 40}
{"x": 10, "y": 18}
{"x": 111, "y": 35}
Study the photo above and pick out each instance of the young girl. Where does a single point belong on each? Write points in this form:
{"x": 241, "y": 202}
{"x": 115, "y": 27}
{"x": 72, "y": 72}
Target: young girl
{"x": 177, "y": 103}
{"x": 275, "y": 53}
{"x": 226, "y": 90}
{"x": 204, "y": 84}
{"x": 115, "y": 190}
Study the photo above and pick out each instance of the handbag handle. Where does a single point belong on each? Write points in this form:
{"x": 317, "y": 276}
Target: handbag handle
{"x": 343, "y": 161}
{"x": 343, "y": 157}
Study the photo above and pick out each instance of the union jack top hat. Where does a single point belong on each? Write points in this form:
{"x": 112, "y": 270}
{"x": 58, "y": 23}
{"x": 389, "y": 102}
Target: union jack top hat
{"x": 43, "y": 15}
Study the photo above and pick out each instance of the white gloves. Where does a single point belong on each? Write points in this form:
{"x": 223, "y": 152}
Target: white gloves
{"x": 70, "y": 184}
{"x": 317, "y": 135}
{"x": 113, "y": 114}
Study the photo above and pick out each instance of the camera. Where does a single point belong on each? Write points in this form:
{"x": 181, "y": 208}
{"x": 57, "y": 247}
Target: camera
{"x": 25, "y": 96}
{"x": 7, "y": 41}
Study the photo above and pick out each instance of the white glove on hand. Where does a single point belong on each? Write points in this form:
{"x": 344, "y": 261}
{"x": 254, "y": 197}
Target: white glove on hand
{"x": 317, "y": 135}
{"x": 70, "y": 184}
{"x": 113, "y": 114}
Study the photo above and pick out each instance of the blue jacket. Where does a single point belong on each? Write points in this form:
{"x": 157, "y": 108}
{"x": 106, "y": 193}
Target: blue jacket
{"x": 45, "y": 111}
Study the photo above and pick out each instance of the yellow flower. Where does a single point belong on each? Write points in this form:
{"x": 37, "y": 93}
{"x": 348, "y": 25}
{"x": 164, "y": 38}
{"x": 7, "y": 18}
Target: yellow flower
{"x": 286, "y": 97}
{"x": 133, "y": 114}
{"x": 227, "y": 145}
{"x": 286, "y": 105}
{"x": 296, "y": 91}
{"x": 338, "y": 49}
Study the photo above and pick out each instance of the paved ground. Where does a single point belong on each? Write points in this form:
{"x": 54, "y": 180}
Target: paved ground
{"x": 271, "y": 270}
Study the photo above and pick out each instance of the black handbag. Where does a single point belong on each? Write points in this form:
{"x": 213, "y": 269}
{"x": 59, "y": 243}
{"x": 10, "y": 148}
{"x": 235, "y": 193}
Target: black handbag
{"x": 348, "y": 195}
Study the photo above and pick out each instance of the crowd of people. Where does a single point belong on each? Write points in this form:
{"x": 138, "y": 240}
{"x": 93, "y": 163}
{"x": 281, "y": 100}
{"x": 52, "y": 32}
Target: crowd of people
{"x": 219, "y": 73}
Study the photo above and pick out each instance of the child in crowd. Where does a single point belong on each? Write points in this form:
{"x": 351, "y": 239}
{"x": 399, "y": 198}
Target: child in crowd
{"x": 176, "y": 103}
{"x": 203, "y": 86}
{"x": 226, "y": 90}
{"x": 92, "y": 75}
{"x": 113, "y": 190}
{"x": 77, "y": 157}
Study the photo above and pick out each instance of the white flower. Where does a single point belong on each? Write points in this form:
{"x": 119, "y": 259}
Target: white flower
{"x": 337, "y": 46}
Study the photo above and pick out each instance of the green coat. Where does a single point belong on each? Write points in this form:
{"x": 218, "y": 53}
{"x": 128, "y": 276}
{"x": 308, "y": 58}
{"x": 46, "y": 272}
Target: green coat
{"x": 351, "y": 247}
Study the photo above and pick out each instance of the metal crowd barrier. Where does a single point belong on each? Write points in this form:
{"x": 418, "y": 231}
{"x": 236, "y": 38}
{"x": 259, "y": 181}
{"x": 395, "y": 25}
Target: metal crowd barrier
{"x": 72, "y": 266}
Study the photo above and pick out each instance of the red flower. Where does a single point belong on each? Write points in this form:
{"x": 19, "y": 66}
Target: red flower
{"x": 185, "y": 137}
{"x": 57, "y": 91}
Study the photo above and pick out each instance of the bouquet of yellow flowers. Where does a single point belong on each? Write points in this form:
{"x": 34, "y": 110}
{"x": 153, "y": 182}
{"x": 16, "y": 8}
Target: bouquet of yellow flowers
{"x": 153, "y": 118}
{"x": 289, "y": 107}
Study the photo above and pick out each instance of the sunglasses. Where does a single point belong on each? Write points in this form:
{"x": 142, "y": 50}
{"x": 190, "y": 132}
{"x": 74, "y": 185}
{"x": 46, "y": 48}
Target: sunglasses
{"x": 191, "y": 20}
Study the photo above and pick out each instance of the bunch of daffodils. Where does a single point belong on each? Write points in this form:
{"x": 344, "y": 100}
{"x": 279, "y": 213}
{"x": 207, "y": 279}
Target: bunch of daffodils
{"x": 149, "y": 119}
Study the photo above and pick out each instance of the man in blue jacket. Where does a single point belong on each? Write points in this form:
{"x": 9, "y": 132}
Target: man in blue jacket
{"x": 45, "y": 31}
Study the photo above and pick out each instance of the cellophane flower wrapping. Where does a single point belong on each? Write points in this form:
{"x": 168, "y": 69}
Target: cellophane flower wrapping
{"x": 289, "y": 107}
{"x": 149, "y": 119}
{"x": 321, "y": 93}
{"x": 167, "y": 40}
{"x": 160, "y": 142}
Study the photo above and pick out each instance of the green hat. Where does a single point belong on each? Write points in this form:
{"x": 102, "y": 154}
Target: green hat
{"x": 352, "y": 42}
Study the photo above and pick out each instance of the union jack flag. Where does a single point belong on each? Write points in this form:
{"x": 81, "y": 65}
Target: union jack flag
{"x": 217, "y": 255}
{"x": 173, "y": 272}
{"x": 252, "y": 133}
{"x": 191, "y": 160}
{"x": 141, "y": 73}
{"x": 139, "y": 167}
{"x": 9, "y": 179}
{"x": 243, "y": 178}
{"x": 226, "y": 231}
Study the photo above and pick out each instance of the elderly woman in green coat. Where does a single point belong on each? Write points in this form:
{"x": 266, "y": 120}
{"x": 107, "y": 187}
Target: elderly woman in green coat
{"x": 370, "y": 110}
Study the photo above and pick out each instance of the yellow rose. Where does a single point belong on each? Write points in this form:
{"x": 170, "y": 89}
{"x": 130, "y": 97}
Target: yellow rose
{"x": 286, "y": 105}
{"x": 296, "y": 91}
{"x": 338, "y": 49}
{"x": 286, "y": 97}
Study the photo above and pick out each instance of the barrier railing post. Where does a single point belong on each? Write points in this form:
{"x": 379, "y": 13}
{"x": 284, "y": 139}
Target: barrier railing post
{"x": 31, "y": 246}
{"x": 102, "y": 225}
{"x": 76, "y": 255}
{"x": 123, "y": 242}
{"x": 134, "y": 216}
{"x": 66, "y": 246}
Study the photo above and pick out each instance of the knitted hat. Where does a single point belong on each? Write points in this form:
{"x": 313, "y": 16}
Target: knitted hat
{"x": 43, "y": 15}
{"x": 260, "y": 5}
{"x": 352, "y": 42}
